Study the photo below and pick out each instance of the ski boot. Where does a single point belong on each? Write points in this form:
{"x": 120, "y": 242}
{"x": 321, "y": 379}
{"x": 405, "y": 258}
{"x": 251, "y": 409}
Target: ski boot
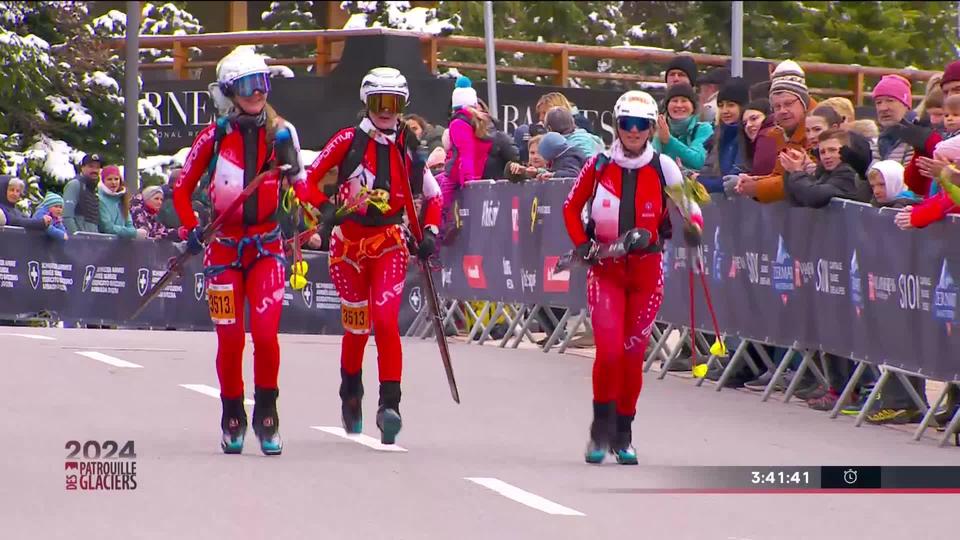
{"x": 621, "y": 446}
{"x": 266, "y": 423}
{"x": 233, "y": 423}
{"x": 388, "y": 415}
{"x": 351, "y": 393}
{"x": 600, "y": 432}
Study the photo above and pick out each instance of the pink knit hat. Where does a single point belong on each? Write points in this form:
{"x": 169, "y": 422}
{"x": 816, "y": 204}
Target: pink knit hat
{"x": 110, "y": 170}
{"x": 893, "y": 86}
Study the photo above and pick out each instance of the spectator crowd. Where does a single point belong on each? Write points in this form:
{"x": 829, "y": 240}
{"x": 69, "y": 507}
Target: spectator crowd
{"x": 770, "y": 141}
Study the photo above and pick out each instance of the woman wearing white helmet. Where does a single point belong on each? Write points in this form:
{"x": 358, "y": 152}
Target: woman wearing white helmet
{"x": 625, "y": 188}
{"x": 379, "y": 175}
{"x": 245, "y": 261}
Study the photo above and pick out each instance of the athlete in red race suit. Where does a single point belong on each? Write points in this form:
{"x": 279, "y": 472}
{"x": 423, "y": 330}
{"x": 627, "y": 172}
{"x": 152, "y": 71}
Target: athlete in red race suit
{"x": 368, "y": 248}
{"x": 245, "y": 260}
{"x": 625, "y": 189}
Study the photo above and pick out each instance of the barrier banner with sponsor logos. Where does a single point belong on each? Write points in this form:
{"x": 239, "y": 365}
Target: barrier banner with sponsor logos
{"x": 843, "y": 279}
{"x": 102, "y": 279}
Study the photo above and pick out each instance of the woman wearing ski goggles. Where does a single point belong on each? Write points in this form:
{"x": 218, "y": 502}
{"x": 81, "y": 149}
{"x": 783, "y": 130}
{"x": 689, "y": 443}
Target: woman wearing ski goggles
{"x": 248, "y": 85}
{"x": 622, "y": 190}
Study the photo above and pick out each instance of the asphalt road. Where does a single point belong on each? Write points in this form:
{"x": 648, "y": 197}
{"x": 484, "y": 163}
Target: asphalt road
{"x": 507, "y": 463}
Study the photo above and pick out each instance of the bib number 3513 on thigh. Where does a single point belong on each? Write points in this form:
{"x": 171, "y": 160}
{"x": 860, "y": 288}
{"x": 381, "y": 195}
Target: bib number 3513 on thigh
{"x": 223, "y": 309}
{"x": 355, "y": 317}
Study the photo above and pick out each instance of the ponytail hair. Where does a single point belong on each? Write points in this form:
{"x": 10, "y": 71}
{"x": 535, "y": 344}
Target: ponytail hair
{"x": 481, "y": 123}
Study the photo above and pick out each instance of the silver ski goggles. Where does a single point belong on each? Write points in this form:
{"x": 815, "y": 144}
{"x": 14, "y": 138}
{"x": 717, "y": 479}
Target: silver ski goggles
{"x": 247, "y": 85}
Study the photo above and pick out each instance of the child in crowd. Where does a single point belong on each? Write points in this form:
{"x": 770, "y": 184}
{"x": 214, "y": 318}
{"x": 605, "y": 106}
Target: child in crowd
{"x": 52, "y": 206}
{"x": 951, "y": 117}
{"x": 727, "y": 155}
{"x": 835, "y": 178}
{"x": 886, "y": 182}
{"x": 564, "y": 160}
{"x": 536, "y": 165}
{"x": 144, "y": 212}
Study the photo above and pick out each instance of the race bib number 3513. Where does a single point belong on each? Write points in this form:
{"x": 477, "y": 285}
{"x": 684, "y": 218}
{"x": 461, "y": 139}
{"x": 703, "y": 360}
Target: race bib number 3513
{"x": 355, "y": 317}
{"x": 222, "y": 307}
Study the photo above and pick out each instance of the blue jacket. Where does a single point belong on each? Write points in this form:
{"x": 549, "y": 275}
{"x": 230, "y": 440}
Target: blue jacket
{"x": 111, "y": 214}
{"x": 688, "y": 140}
{"x": 56, "y": 230}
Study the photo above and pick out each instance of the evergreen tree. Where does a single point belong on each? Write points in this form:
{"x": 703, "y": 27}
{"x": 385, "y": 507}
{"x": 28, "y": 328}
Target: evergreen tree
{"x": 289, "y": 16}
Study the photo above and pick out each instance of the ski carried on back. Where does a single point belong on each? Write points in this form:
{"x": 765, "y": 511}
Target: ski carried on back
{"x": 628, "y": 242}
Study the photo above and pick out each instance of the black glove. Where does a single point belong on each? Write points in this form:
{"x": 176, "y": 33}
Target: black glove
{"x": 637, "y": 240}
{"x": 428, "y": 245}
{"x": 912, "y": 134}
{"x": 328, "y": 216}
{"x": 587, "y": 252}
{"x": 692, "y": 235}
{"x": 195, "y": 241}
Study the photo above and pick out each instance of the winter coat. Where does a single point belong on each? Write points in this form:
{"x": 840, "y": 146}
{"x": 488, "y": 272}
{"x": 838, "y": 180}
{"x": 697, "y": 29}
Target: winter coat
{"x": 502, "y": 151}
{"x": 932, "y": 210}
{"x": 762, "y": 151}
{"x": 13, "y": 216}
{"x": 588, "y": 143}
{"x": 581, "y": 121}
{"x": 111, "y": 214}
{"x": 80, "y": 203}
{"x": 432, "y": 139}
{"x": 688, "y": 140}
{"x": 56, "y": 230}
{"x": 727, "y": 156}
{"x": 770, "y": 187}
{"x": 145, "y": 218}
{"x": 568, "y": 163}
{"x": 803, "y": 189}
{"x": 469, "y": 151}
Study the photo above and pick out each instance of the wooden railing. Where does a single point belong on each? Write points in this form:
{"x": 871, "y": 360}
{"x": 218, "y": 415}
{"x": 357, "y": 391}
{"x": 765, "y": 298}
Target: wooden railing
{"x": 324, "y": 59}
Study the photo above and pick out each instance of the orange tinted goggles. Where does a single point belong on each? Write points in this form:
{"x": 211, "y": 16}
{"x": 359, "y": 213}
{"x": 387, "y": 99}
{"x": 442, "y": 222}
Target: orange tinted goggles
{"x": 380, "y": 103}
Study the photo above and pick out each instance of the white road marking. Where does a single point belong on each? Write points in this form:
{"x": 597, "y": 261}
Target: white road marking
{"x": 525, "y": 497}
{"x": 208, "y": 390}
{"x": 365, "y": 440}
{"x": 30, "y": 336}
{"x": 107, "y": 359}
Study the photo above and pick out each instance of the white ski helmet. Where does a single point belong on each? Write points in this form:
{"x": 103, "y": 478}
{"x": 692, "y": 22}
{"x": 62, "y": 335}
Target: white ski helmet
{"x": 384, "y": 80}
{"x": 241, "y": 62}
{"x": 638, "y": 104}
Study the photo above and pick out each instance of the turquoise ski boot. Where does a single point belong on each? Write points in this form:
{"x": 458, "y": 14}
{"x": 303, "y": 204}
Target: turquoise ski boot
{"x": 600, "y": 432}
{"x": 622, "y": 448}
{"x": 266, "y": 422}
{"x": 351, "y": 394}
{"x": 388, "y": 415}
{"x": 233, "y": 423}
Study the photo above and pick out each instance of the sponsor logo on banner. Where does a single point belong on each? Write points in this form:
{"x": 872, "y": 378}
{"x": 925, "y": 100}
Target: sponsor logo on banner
{"x": 33, "y": 270}
{"x": 914, "y": 292}
{"x": 665, "y": 261}
{"x": 416, "y": 299}
{"x": 508, "y": 271}
{"x": 945, "y": 298}
{"x": 446, "y": 277}
{"x": 143, "y": 281}
{"x": 88, "y": 273}
{"x": 555, "y": 282}
{"x": 473, "y": 270}
{"x": 783, "y": 271}
{"x": 307, "y": 294}
{"x": 457, "y": 214}
{"x": 198, "y": 286}
{"x": 536, "y": 211}
{"x": 856, "y": 285}
{"x": 528, "y": 280}
{"x": 515, "y": 219}
{"x": 8, "y": 274}
{"x": 491, "y": 209}
{"x": 717, "y": 266}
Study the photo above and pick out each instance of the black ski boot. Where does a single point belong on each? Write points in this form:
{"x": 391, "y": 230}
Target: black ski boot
{"x": 351, "y": 393}
{"x": 266, "y": 423}
{"x": 601, "y": 431}
{"x": 388, "y": 415}
{"x": 621, "y": 447}
{"x": 233, "y": 423}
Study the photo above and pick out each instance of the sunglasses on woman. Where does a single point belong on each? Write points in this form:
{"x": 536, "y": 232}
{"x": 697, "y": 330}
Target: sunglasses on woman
{"x": 629, "y": 123}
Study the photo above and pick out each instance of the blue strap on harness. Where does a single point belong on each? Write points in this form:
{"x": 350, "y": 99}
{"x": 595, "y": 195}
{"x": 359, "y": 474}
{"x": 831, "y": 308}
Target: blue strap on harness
{"x": 256, "y": 240}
